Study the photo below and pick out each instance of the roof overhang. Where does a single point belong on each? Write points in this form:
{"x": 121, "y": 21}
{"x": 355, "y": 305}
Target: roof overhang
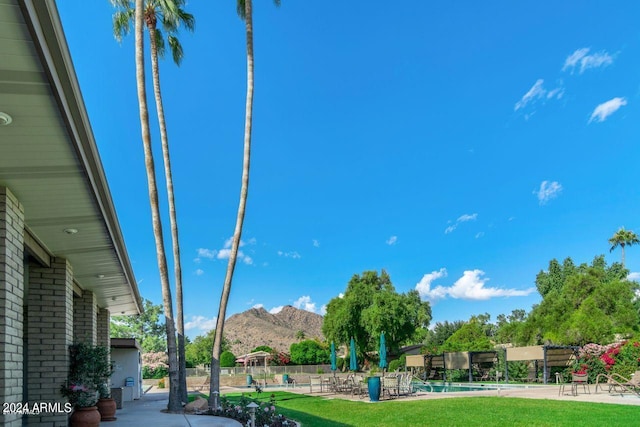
{"x": 49, "y": 159}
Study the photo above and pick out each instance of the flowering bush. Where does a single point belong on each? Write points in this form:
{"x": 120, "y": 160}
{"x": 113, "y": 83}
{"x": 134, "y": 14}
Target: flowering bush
{"x": 622, "y": 358}
{"x": 155, "y": 365}
{"x": 265, "y": 413}
{"x": 80, "y": 395}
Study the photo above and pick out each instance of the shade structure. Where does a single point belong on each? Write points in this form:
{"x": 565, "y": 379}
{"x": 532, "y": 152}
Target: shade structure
{"x": 383, "y": 352}
{"x": 353, "y": 361}
{"x": 333, "y": 357}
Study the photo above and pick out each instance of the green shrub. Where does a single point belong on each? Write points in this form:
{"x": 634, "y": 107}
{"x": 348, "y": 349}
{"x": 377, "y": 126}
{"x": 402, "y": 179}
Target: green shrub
{"x": 227, "y": 359}
{"x": 395, "y": 365}
{"x": 161, "y": 383}
{"x": 627, "y": 360}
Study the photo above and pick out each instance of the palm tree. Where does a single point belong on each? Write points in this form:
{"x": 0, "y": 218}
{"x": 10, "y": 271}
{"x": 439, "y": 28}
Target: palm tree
{"x": 245, "y": 11}
{"x": 175, "y": 404}
{"x": 623, "y": 238}
{"x": 171, "y": 15}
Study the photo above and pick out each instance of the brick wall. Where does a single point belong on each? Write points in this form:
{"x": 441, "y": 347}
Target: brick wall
{"x": 85, "y": 319}
{"x": 11, "y": 303}
{"x": 49, "y": 334}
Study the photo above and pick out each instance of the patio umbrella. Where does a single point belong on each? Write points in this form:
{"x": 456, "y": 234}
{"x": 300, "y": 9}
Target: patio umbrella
{"x": 333, "y": 357}
{"x": 353, "y": 361}
{"x": 383, "y": 353}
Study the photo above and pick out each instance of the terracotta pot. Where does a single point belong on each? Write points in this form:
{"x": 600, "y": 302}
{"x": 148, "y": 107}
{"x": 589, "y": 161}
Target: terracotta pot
{"x": 85, "y": 417}
{"x": 107, "y": 409}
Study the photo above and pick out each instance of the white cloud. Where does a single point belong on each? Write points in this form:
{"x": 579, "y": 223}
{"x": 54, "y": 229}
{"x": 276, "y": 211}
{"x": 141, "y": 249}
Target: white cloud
{"x": 316, "y": 244}
{"x": 634, "y": 276}
{"x": 276, "y": 310}
{"x": 258, "y": 305}
{"x": 468, "y": 217}
{"x": 293, "y": 254}
{"x": 606, "y": 109}
{"x": 461, "y": 219}
{"x": 341, "y": 295}
{"x": 538, "y": 92}
{"x": 200, "y": 322}
{"x": 199, "y": 272}
{"x": 225, "y": 252}
{"x": 205, "y": 253}
{"x": 582, "y": 60}
{"x": 392, "y": 240}
{"x": 323, "y": 310}
{"x": 548, "y": 190}
{"x": 305, "y": 303}
{"x": 479, "y": 234}
{"x": 424, "y": 286}
{"x": 470, "y": 286}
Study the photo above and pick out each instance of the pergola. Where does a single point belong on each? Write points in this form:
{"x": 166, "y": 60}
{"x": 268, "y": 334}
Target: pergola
{"x": 551, "y": 355}
{"x": 458, "y": 360}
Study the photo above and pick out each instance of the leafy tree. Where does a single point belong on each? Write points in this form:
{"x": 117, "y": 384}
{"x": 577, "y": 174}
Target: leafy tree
{"x": 442, "y": 331}
{"x": 509, "y": 329}
{"x": 370, "y": 305}
{"x": 198, "y": 352}
{"x": 623, "y": 238}
{"x": 300, "y": 335}
{"x": 227, "y": 359}
{"x": 245, "y": 11}
{"x": 309, "y": 352}
{"x": 265, "y": 348}
{"x": 470, "y": 337}
{"x": 590, "y": 304}
{"x": 147, "y": 328}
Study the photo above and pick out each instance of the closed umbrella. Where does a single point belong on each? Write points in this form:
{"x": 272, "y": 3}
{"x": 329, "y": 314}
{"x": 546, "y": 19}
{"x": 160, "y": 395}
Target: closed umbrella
{"x": 333, "y": 357}
{"x": 383, "y": 353}
{"x": 353, "y": 361}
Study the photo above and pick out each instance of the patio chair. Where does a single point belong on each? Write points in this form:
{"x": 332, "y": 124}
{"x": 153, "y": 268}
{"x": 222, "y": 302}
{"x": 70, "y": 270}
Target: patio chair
{"x": 358, "y": 386}
{"x": 315, "y": 382}
{"x": 405, "y": 387}
{"x": 579, "y": 380}
{"x": 618, "y": 384}
{"x": 390, "y": 386}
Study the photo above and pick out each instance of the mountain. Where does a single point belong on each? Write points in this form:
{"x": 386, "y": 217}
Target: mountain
{"x": 255, "y": 327}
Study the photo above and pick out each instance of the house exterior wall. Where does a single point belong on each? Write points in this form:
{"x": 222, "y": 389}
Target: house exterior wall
{"x": 85, "y": 318}
{"x": 49, "y": 335}
{"x": 104, "y": 327}
{"x": 127, "y": 364}
{"x": 11, "y": 304}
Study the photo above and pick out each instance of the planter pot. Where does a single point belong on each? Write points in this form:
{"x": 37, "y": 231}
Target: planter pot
{"x": 373, "y": 385}
{"x": 107, "y": 409}
{"x": 85, "y": 417}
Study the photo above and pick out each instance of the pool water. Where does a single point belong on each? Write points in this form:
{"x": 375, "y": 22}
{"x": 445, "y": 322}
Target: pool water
{"x": 449, "y": 388}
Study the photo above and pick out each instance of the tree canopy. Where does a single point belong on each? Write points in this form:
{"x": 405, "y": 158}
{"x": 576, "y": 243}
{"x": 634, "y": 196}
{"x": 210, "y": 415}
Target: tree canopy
{"x": 582, "y": 304}
{"x": 370, "y": 305}
{"x": 309, "y": 352}
{"x": 147, "y": 328}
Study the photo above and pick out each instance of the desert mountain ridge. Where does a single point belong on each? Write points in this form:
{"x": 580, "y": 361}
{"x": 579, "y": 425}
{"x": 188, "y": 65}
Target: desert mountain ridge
{"x": 256, "y": 326}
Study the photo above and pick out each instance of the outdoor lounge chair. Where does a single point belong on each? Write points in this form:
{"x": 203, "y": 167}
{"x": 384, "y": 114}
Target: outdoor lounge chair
{"x": 390, "y": 386}
{"x": 618, "y": 384}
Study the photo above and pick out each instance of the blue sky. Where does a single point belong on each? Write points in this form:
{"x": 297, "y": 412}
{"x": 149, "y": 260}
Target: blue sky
{"x": 458, "y": 145}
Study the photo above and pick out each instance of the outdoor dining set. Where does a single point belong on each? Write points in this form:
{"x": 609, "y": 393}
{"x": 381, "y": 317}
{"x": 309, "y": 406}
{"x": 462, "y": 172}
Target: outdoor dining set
{"x": 392, "y": 385}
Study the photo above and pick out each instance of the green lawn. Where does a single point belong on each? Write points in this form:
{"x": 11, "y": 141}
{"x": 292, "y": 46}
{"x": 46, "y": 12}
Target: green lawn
{"x": 459, "y": 411}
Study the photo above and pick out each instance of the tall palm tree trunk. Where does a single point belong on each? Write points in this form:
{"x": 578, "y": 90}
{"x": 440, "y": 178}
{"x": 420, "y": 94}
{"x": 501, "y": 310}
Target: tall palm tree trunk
{"x": 235, "y": 244}
{"x": 155, "y": 72}
{"x": 174, "y": 402}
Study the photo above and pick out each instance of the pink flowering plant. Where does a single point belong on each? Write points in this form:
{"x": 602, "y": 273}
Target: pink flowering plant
{"x": 622, "y": 358}
{"x": 155, "y": 365}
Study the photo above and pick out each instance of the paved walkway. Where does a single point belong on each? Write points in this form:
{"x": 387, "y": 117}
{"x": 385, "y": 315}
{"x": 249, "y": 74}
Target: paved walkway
{"x": 147, "y": 411}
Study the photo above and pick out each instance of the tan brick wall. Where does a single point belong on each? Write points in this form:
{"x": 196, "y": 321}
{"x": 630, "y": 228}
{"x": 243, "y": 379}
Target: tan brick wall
{"x": 11, "y": 303}
{"x": 49, "y": 334}
{"x": 85, "y": 318}
{"x": 104, "y": 327}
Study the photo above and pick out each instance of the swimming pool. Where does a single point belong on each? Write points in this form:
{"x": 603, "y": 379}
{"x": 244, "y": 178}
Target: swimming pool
{"x": 457, "y": 387}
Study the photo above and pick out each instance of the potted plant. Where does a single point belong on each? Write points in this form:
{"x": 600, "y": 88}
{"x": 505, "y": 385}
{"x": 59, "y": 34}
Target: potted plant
{"x": 81, "y": 389}
{"x": 102, "y": 371}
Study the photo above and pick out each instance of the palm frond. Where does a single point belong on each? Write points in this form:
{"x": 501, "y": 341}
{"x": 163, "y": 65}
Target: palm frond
{"x": 176, "y": 49}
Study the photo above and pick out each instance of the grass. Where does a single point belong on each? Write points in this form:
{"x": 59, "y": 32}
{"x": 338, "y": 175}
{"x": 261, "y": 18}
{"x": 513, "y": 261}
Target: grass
{"x": 459, "y": 411}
